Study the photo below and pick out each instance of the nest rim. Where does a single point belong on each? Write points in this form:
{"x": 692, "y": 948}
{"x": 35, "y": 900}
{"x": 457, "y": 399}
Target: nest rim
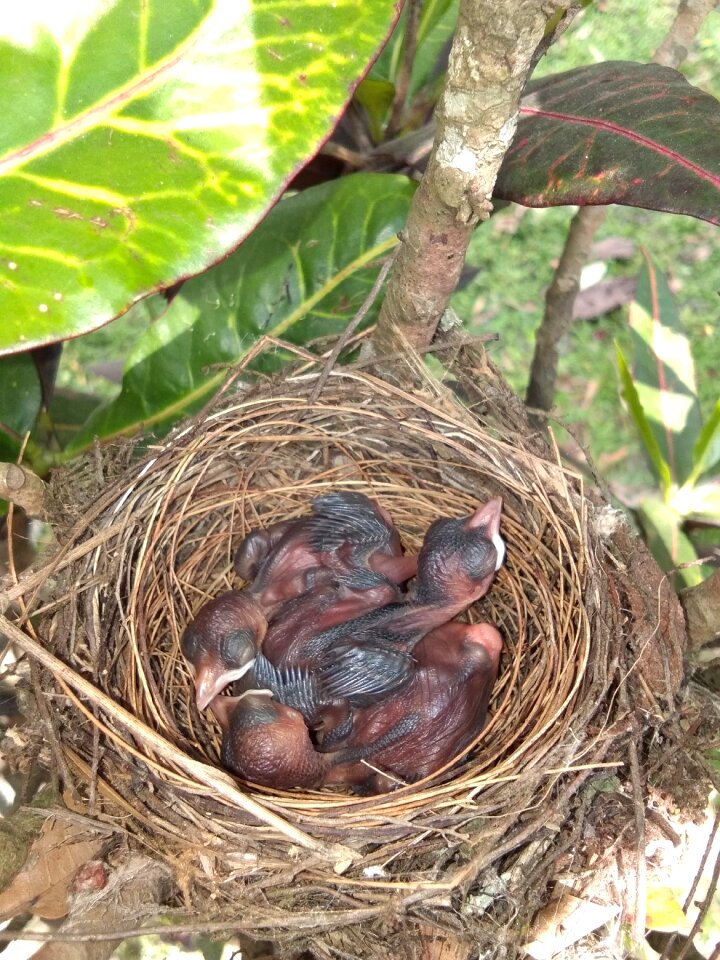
{"x": 455, "y": 423}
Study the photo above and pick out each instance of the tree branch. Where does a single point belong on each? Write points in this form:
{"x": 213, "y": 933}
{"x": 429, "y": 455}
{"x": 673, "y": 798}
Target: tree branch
{"x": 681, "y": 35}
{"x": 560, "y": 296}
{"x": 23, "y": 488}
{"x": 559, "y": 301}
{"x": 476, "y": 119}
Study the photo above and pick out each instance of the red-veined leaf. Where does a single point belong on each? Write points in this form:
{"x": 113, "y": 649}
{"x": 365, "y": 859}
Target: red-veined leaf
{"x": 616, "y": 132}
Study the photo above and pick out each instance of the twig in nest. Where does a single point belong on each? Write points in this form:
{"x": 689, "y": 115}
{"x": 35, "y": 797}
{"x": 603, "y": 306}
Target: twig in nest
{"x": 353, "y": 325}
{"x": 638, "y": 927}
{"x": 62, "y": 767}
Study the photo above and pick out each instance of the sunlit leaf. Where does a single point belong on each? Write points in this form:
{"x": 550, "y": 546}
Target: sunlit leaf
{"x": 664, "y": 372}
{"x": 302, "y": 274}
{"x": 616, "y": 132}
{"x": 20, "y": 399}
{"x": 667, "y": 542}
{"x": 142, "y": 140}
{"x": 701, "y": 502}
{"x": 663, "y": 908}
{"x": 376, "y": 96}
{"x": 707, "y": 449}
{"x": 652, "y": 448}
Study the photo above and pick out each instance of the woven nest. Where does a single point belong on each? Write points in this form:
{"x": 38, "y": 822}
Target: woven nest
{"x": 149, "y": 548}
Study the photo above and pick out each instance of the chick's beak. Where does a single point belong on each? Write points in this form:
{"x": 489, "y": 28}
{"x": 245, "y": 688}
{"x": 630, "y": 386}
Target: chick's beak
{"x": 212, "y": 678}
{"x": 488, "y": 516}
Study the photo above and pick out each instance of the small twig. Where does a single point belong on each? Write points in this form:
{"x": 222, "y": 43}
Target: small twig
{"x": 353, "y": 325}
{"x": 442, "y": 346}
{"x": 657, "y": 818}
{"x": 402, "y": 86}
{"x": 299, "y": 921}
{"x": 60, "y": 813}
{"x": 410, "y": 148}
{"x": 23, "y": 488}
{"x": 92, "y": 791}
{"x": 703, "y": 911}
{"x": 351, "y": 158}
{"x": 703, "y": 861}
{"x": 638, "y": 927}
{"x": 668, "y": 948}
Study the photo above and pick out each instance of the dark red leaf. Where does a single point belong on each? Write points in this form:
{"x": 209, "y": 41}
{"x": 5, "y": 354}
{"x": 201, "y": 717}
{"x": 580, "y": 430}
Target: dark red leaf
{"x": 616, "y": 132}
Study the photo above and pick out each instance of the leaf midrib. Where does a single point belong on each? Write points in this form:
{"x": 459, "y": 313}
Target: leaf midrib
{"x": 85, "y": 121}
{"x": 615, "y": 128}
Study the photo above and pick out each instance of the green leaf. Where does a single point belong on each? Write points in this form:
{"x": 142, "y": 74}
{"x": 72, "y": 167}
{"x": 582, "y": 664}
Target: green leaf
{"x": 69, "y": 411}
{"x": 20, "y": 399}
{"x": 664, "y": 372}
{"x": 302, "y": 274}
{"x": 616, "y": 132}
{"x": 631, "y": 398}
{"x": 377, "y": 97}
{"x": 437, "y": 23}
{"x": 668, "y": 544}
{"x": 701, "y": 502}
{"x": 707, "y": 448}
{"x": 142, "y": 140}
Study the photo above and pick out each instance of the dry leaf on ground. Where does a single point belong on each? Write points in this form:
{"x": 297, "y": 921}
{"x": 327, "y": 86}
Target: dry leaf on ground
{"x": 43, "y": 884}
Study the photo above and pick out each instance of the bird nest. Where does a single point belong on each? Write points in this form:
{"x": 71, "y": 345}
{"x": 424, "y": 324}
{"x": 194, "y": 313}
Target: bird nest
{"x": 591, "y": 636}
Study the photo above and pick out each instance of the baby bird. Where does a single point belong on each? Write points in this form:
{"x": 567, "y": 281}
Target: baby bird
{"x": 321, "y": 609}
{"x": 347, "y": 537}
{"x": 221, "y": 643}
{"x": 456, "y": 565}
{"x": 355, "y": 534}
{"x": 433, "y": 718}
{"x": 267, "y": 742}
